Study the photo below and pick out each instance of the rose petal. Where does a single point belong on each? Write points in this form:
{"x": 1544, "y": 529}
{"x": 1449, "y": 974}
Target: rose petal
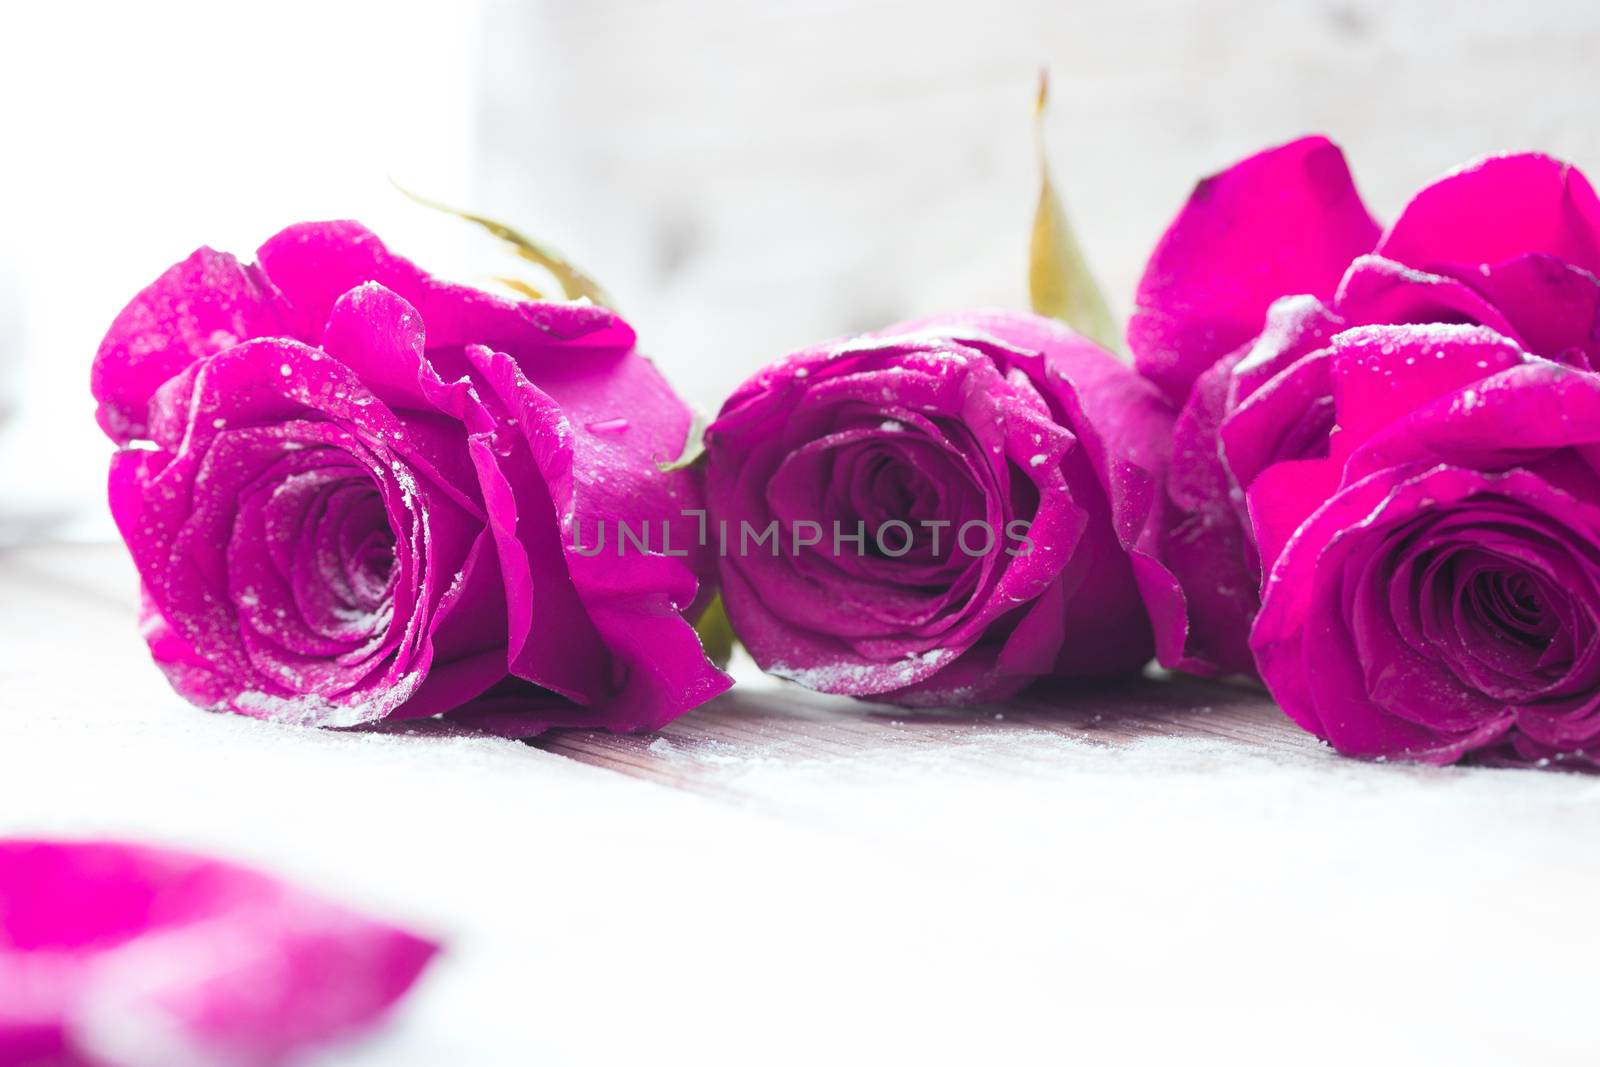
{"x": 1496, "y": 209}
{"x": 1381, "y": 374}
{"x": 1378, "y": 290}
{"x": 1285, "y": 221}
{"x": 1553, "y": 306}
{"x": 1206, "y": 544}
{"x": 200, "y": 306}
{"x": 140, "y": 957}
{"x": 313, "y": 264}
{"x": 621, "y": 646}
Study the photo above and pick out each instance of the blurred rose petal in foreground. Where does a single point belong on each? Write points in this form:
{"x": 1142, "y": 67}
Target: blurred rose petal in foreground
{"x": 115, "y": 955}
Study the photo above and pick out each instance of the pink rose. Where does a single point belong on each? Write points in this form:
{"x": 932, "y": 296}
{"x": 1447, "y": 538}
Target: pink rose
{"x": 1435, "y": 584}
{"x": 116, "y": 955}
{"x": 351, "y": 492}
{"x": 952, "y": 509}
{"x": 1273, "y": 258}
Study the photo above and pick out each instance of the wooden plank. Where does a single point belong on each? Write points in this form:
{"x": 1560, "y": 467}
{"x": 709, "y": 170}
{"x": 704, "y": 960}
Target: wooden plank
{"x": 712, "y": 749}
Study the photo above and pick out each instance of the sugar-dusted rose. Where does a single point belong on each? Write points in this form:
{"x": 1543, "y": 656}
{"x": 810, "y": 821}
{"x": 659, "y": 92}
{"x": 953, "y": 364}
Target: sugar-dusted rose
{"x": 1007, "y": 426}
{"x": 1434, "y": 589}
{"x": 350, "y": 491}
{"x": 1271, "y": 259}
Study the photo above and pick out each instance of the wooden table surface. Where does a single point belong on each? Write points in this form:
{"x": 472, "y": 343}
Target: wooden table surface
{"x": 1164, "y": 871}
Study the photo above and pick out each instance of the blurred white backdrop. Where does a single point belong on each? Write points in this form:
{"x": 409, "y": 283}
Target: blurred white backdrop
{"x": 746, "y": 178}
{"x": 133, "y": 133}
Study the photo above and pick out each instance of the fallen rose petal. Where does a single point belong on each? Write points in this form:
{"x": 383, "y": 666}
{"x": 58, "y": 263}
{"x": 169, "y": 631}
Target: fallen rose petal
{"x": 117, "y": 955}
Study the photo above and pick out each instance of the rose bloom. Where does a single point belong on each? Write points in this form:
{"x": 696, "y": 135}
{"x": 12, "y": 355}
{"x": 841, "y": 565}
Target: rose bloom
{"x": 1436, "y": 584}
{"x": 1272, "y": 258}
{"x": 1003, "y": 476}
{"x": 119, "y": 955}
{"x": 350, "y": 491}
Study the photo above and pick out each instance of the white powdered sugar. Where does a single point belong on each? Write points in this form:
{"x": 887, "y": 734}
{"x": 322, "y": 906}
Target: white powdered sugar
{"x": 880, "y": 677}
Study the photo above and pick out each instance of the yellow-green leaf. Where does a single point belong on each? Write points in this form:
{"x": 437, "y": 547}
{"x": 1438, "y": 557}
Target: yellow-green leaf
{"x": 521, "y": 288}
{"x": 1060, "y": 283}
{"x": 716, "y": 632}
{"x": 694, "y": 446}
{"x": 574, "y": 283}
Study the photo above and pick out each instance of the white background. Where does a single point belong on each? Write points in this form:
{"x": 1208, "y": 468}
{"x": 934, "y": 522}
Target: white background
{"x": 745, "y": 177}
